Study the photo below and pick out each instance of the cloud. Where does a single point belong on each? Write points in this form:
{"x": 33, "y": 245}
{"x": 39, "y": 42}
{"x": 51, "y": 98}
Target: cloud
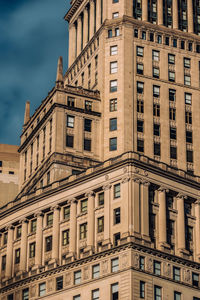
{"x": 33, "y": 36}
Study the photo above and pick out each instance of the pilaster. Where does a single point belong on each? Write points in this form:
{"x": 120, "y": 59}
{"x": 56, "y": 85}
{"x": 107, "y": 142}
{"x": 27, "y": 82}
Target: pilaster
{"x": 23, "y": 259}
{"x": 9, "y": 254}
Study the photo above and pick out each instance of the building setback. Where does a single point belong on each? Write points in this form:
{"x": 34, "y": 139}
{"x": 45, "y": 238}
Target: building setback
{"x": 109, "y": 204}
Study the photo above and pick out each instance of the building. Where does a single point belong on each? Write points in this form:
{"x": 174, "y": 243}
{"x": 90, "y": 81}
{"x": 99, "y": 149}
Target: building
{"x": 9, "y": 173}
{"x": 109, "y": 202}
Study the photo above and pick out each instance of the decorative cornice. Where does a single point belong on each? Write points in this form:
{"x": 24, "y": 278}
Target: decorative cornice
{"x": 163, "y": 189}
{"x": 90, "y": 194}
{"x": 107, "y": 187}
{"x": 181, "y": 196}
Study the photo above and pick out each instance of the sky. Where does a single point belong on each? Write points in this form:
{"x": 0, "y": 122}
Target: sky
{"x": 33, "y": 34}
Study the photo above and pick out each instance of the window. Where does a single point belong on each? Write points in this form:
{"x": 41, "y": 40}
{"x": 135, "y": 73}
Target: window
{"x": 87, "y": 125}
{"x": 116, "y": 238}
{"x": 156, "y": 110}
{"x": 140, "y": 106}
{"x": 113, "y": 67}
{"x": 157, "y": 292}
{"x": 172, "y": 95}
{"x": 32, "y": 250}
{"x": 188, "y": 98}
{"x": 70, "y": 101}
{"x": 70, "y": 141}
{"x": 195, "y": 279}
{"x": 25, "y": 294}
{"x": 101, "y": 198}
{"x": 140, "y": 145}
{"x": 17, "y": 256}
{"x": 66, "y": 212}
{"x": 182, "y": 45}
{"x": 117, "y": 217}
{"x": 188, "y": 117}
{"x": 113, "y": 86}
{"x": 142, "y": 289}
{"x": 143, "y": 35}
{"x": 140, "y": 51}
{"x": 172, "y": 133}
{"x": 100, "y": 224}
{"x": 10, "y": 297}
{"x": 171, "y": 75}
{"x": 115, "y": 265}
{"x": 95, "y": 295}
{"x": 156, "y": 129}
{"x": 95, "y": 271}
{"x": 113, "y": 124}
{"x": 196, "y": 298}
{"x": 83, "y": 231}
{"x": 189, "y": 46}
{"x": 70, "y": 121}
{"x": 117, "y": 190}
{"x": 59, "y": 283}
{"x": 167, "y": 41}
{"x": 176, "y": 273}
{"x": 5, "y": 238}
{"x": 50, "y": 219}
{"x": 155, "y": 55}
{"x": 173, "y": 152}
{"x": 1, "y": 163}
{"x": 89, "y": 70}
{"x": 159, "y": 39}
{"x": 186, "y": 62}
{"x": 18, "y": 232}
{"x": 187, "y": 80}
{"x": 157, "y": 267}
{"x": 188, "y": 136}
{"x": 115, "y": 291}
{"x": 65, "y": 237}
{"x": 116, "y": 31}
{"x": 136, "y": 33}
{"x": 189, "y": 156}
{"x": 174, "y": 43}
{"x": 177, "y": 296}
{"x": 113, "y": 144}
{"x": 84, "y": 204}
{"x": 157, "y": 149}
{"x": 88, "y": 105}
{"x": 156, "y": 72}
{"x": 42, "y": 289}
{"x": 141, "y": 263}
{"x": 113, "y": 105}
{"x": 140, "y": 126}
{"x": 140, "y": 69}
{"x": 172, "y": 113}
{"x": 113, "y": 50}
{"x": 156, "y": 91}
{"x": 87, "y": 144}
{"x": 171, "y": 59}
{"x": 140, "y": 87}
{"x": 48, "y": 243}
{"x": 109, "y": 33}
{"x": 77, "y": 277}
{"x": 11, "y": 172}
{"x": 3, "y": 263}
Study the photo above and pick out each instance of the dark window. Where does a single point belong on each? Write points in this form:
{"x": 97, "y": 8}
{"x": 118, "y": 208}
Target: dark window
{"x": 172, "y": 95}
{"x": 172, "y": 113}
{"x": 1, "y": 163}
{"x": 140, "y": 126}
{"x": 66, "y": 212}
{"x": 109, "y": 33}
{"x": 173, "y": 152}
{"x": 140, "y": 87}
{"x": 141, "y": 262}
{"x": 188, "y": 117}
{"x": 140, "y": 106}
{"x": 3, "y": 263}
{"x": 140, "y": 69}
{"x": 70, "y": 141}
{"x": 18, "y": 232}
{"x": 11, "y": 172}
{"x": 195, "y": 279}
{"x": 156, "y": 110}
{"x": 156, "y": 91}
{"x": 50, "y": 219}
{"x": 189, "y": 156}
{"x": 177, "y": 296}
{"x": 143, "y": 35}
{"x": 157, "y": 293}
{"x": 175, "y": 43}
{"x": 171, "y": 59}
{"x": 87, "y": 144}
{"x": 157, "y": 267}
{"x": 136, "y": 33}
{"x": 17, "y": 256}
{"x": 113, "y": 124}
{"x": 151, "y": 37}
{"x": 189, "y": 46}
{"x": 142, "y": 289}
{"x": 140, "y": 145}
{"x": 65, "y": 237}
{"x": 88, "y": 105}
{"x": 100, "y": 224}
{"x": 59, "y": 283}
{"x": 172, "y": 133}
{"x": 10, "y": 297}
{"x": 116, "y": 190}
{"x": 176, "y": 273}
{"x": 70, "y": 101}
{"x": 32, "y": 250}
{"x": 182, "y": 45}
{"x": 156, "y": 129}
{"x": 117, "y": 218}
{"x": 156, "y": 72}
{"x": 5, "y": 238}
{"x": 101, "y": 198}
{"x": 88, "y": 125}
{"x": 48, "y": 243}
{"x": 188, "y": 136}
{"x": 114, "y": 291}
{"x": 157, "y": 149}
{"x": 25, "y": 294}
{"x": 116, "y": 238}
{"x": 167, "y": 41}
{"x": 113, "y": 144}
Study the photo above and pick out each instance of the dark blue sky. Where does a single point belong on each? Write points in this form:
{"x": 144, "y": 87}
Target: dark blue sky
{"x": 33, "y": 34}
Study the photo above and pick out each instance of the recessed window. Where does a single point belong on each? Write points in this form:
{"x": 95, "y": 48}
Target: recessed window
{"x": 186, "y": 62}
{"x": 173, "y": 152}
{"x": 18, "y": 232}
{"x": 156, "y": 72}
{"x": 187, "y": 80}
{"x": 33, "y": 225}
{"x": 115, "y": 15}
{"x": 113, "y": 105}
{"x": 171, "y": 75}
{"x": 113, "y": 144}
{"x": 188, "y": 136}
{"x": 188, "y": 98}
{"x": 84, "y": 205}
{"x": 173, "y": 133}
{"x": 157, "y": 150}
{"x": 70, "y": 101}
{"x": 113, "y": 124}
{"x": 115, "y": 265}
{"x": 142, "y": 289}
{"x": 189, "y": 156}
{"x": 83, "y": 231}
{"x": 140, "y": 51}
{"x": 156, "y": 129}
{"x": 116, "y": 31}
{"x": 77, "y": 277}
{"x": 171, "y": 59}
{"x": 95, "y": 295}
{"x": 88, "y": 105}
{"x": 59, "y": 283}
{"x": 66, "y": 213}
{"x": 177, "y": 296}
{"x": 176, "y": 273}
{"x": 101, "y": 198}
{"x": 95, "y": 271}
{"x": 50, "y": 219}
{"x": 156, "y": 91}
{"x": 70, "y": 141}
{"x": 140, "y": 106}
{"x": 87, "y": 144}
{"x": 42, "y": 289}
{"x": 32, "y": 250}
{"x": 182, "y": 45}
{"x": 117, "y": 217}
{"x": 25, "y": 294}
{"x": 113, "y": 67}
{"x": 48, "y": 243}
{"x": 140, "y": 145}
{"x": 113, "y": 50}
{"x": 100, "y": 224}
{"x": 136, "y": 33}
{"x": 87, "y": 125}
{"x": 195, "y": 279}
{"x": 117, "y": 191}
{"x": 172, "y": 95}
{"x": 159, "y": 39}
{"x": 115, "y": 291}
{"x": 172, "y": 113}
{"x": 140, "y": 87}
{"x": 140, "y": 68}
{"x": 167, "y": 40}
{"x": 143, "y": 35}
{"x": 113, "y": 86}
{"x": 10, "y": 297}
{"x": 190, "y": 46}
{"x": 174, "y": 43}
{"x": 5, "y": 238}
{"x": 11, "y": 172}
{"x": 188, "y": 117}
{"x": 116, "y": 238}
{"x": 70, "y": 121}
{"x": 3, "y": 263}
{"x": 156, "y": 110}
{"x": 65, "y": 237}
{"x": 78, "y": 297}
{"x": 141, "y": 263}
{"x": 140, "y": 126}
{"x": 157, "y": 267}
{"x": 157, "y": 293}
{"x": 151, "y": 36}
{"x": 17, "y": 256}
{"x": 110, "y": 33}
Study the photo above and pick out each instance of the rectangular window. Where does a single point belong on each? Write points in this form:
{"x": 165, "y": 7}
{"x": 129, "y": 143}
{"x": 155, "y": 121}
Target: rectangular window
{"x": 157, "y": 293}
{"x": 141, "y": 263}
{"x": 88, "y": 105}
{"x": 117, "y": 190}
{"x": 156, "y": 129}
{"x": 50, "y": 219}
{"x": 113, "y": 50}
{"x": 140, "y": 51}
{"x": 101, "y": 198}
{"x": 87, "y": 144}
{"x": 157, "y": 267}
{"x": 10, "y": 297}
{"x": 140, "y": 69}
{"x": 78, "y": 297}
{"x": 32, "y": 250}
{"x": 69, "y": 141}
{"x": 66, "y": 212}
{"x": 155, "y": 55}
{"x": 59, "y": 283}
{"x": 83, "y": 231}
{"x": 142, "y": 289}
{"x": 116, "y": 31}
{"x": 115, "y": 291}
{"x": 167, "y": 41}
{"x": 95, "y": 295}
{"x": 113, "y": 124}
{"x": 113, "y": 67}
{"x": 100, "y": 224}
{"x": 172, "y": 113}
{"x": 140, "y": 106}
{"x": 77, "y": 277}
{"x": 48, "y": 243}
{"x": 109, "y": 33}
{"x": 115, "y": 265}
{"x": 3, "y": 263}
{"x": 174, "y": 43}
{"x": 143, "y": 35}
{"x": 188, "y": 98}
{"x": 157, "y": 151}
{"x": 95, "y": 271}
{"x": 18, "y": 232}
{"x": 176, "y": 273}
{"x": 171, "y": 75}
{"x": 113, "y": 144}
{"x": 116, "y": 238}
{"x": 189, "y": 156}
{"x": 42, "y": 289}
{"x": 113, "y": 105}
{"x": 87, "y": 125}
{"x": 136, "y": 33}
{"x": 65, "y": 237}
{"x": 140, "y": 87}
{"x": 156, "y": 110}
{"x": 171, "y": 59}
{"x": 188, "y": 136}
{"x": 70, "y": 121}
{"x": 17, "y": 256}
{"x": 140, "y": 145}
{"x": 186, "y": 62}
{"x": 187, "y": 80}
{"x": 117, "y": 217}
{"x": 156, "y": 91}
{"x": 70, "y": 101}
{"x": 25, "y": 294}
{"x": 140, "y": 126}
{"x": 156, "y": 72}
{"x": 188, "y": 117}
{"x": 113, "y": 86}
{"x": 177, "y": 296}
{"x": 195, "y": 279}
{"x": 172, "y": 133}
{"x": 173, "y": 152}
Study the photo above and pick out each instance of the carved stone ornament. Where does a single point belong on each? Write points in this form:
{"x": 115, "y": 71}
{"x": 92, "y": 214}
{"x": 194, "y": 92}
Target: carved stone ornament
{"x": 86, "y": 273}
{"x": 167, "y": 269}
{"x": 136, "y": 260}
{"x": 104, "y": 266}
{"x": 33, "y": 290}
{"x": 126, "y": 179}
{"x": 68, "y": 278}
{"x": 38, "y": 214}
{"x": 136, "y": 170}
{"x": 125, "y": 170}
{"x": 124, "y": 260}
{"x": 107, "y": 187}
{"x": 72, "y": 201}
{"x": 150, "y": 264}
{"x": 187, "y": 275}
{"x": 55, "y": 207}
{"x": 90, "y": 194}
{"x": 50, "y": 285}
{"x": 163, "y": 189}
{"x": 181, "y": 196}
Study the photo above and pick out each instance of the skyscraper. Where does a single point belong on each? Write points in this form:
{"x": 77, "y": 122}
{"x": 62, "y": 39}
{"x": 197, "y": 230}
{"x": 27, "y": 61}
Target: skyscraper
{"x": 109, "y": 163}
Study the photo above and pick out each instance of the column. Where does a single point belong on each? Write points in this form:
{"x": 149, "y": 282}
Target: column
{"x": 136, "y": 206}
{"x": 23, "y": 258}
{"x": 79, "y": 32}
{"x": 162, "y": 221}
{"x": 98, "y": 14}
{"x": 160, "y": 12}
{"x": 145, "y": 210}
{"x": 56, "y": 232}
{"x": 73, "y": 227}
{"x": 72, "y": 43}
{"x": 175, "y": 14}
{"x": 190, "y": 16}
{"x": 91, "y": 19}
{"x": 145, "y": 10}
{"x": 180, "y": 223}
{"x": 9, "y": 254}
{"x": 91, "y": 219}
{"x": 197, "y": 228}
{"x": 107, "y": 199}
{"x": 85, "y": 26}
{"x": 39, "y": 240}
{"x": 127, "y": 207}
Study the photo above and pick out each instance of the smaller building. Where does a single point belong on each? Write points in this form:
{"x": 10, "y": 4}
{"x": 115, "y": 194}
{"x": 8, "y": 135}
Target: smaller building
{"x": 9, "y": 171}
